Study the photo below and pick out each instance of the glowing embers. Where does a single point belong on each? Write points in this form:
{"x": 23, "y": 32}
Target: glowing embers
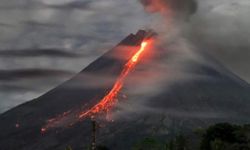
{"x": 105, "y": 104}
{"x": 64, "y": 118}
{"x": 111, "y": 98}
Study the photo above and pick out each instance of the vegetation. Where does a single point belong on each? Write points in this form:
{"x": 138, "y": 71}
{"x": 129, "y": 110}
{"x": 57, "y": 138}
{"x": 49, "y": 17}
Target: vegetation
{"x": 102, "y": 147}
{"x": 223, "y": 136}
{"x": 149, "y": 143}
{"x": 68, "y": 148}
{"x": 178, "y": 143}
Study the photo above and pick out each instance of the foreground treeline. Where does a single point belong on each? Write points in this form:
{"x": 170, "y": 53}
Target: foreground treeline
{"x": 226, "y": 137}
{"x": 223, "y": 136}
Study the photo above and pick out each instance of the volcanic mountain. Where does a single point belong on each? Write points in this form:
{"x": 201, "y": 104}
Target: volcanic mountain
{"x": 183, "y": 106}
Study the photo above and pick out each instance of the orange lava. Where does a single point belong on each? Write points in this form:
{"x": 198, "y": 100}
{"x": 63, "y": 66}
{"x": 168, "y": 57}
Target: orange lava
{"x": 106, "y": 103}
{"x": 110, "y": 99}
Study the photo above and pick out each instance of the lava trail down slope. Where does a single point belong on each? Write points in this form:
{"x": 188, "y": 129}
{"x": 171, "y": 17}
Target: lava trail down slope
{"x": 21, "y": 126}
{"x": 108, "y": 101}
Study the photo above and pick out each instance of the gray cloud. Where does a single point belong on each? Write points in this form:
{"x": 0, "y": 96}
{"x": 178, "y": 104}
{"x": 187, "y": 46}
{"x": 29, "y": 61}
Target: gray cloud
{"x": 14, "y": 88}
{"x": 10, "y": 75}
{"x": 36, "y": 52}
{"x": 5, "y": 25}
{"x": 31, "y": 24}
{"x": 18, "y": 86}
{"x": 72, "y": 5}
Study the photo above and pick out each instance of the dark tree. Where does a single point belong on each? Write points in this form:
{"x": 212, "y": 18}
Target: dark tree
{"x": 223, "y": 135}
{"x": 181, "y": 143}
{"x": 101, "y": 147}
{"x": 170, "y": 145}
{"x": 149, "y": 144}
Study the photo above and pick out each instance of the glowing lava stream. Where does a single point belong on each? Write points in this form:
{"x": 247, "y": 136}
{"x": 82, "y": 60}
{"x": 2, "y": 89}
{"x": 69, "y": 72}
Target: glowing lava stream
{"x": 110, "y": 99}
{"x": 106, "y": 103}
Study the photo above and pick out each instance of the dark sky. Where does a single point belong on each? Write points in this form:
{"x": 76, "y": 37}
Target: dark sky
{"x": 47, "y": 41}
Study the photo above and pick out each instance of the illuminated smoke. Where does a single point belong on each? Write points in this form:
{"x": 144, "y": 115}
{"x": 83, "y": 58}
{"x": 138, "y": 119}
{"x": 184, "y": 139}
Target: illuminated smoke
{"x": 175, "y": 8}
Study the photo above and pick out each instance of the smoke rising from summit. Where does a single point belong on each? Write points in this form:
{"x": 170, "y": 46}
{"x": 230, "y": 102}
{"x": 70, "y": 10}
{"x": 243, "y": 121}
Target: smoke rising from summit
{"x": 217, "y": 27}
{"x": 178, "y": 8}
{"x": 189, "y": 31}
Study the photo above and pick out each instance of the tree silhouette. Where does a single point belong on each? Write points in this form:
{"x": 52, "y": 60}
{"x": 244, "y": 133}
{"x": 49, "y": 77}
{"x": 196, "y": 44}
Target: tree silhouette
{"x": 225, "y": 136}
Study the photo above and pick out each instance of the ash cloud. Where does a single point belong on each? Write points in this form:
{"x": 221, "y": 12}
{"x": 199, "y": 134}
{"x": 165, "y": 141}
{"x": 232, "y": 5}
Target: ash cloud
{"x": 188, "y": 33}
{"x": 218, "y": 28}
{"x": 221, "y": 28}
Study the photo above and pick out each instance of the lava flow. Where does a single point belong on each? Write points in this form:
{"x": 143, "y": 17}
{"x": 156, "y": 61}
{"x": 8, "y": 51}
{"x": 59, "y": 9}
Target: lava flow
{"x": 106, "y": 103}
{"x": 110, "y": 99}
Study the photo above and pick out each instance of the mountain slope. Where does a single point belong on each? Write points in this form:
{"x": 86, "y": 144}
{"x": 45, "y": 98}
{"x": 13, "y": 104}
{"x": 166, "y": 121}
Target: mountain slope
{"x": 187, "y": 104}
{"x": 80, "y": 92}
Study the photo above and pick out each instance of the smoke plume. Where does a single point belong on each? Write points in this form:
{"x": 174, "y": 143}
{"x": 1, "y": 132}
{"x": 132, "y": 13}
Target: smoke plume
{"x": 217, "y": 27}
{"x": 178, "y": 8}
{"x": 182, "y": 46}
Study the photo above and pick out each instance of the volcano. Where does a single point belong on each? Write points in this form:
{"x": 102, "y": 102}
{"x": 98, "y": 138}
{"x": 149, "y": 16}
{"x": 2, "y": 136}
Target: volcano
{"x": 186, "y": 105}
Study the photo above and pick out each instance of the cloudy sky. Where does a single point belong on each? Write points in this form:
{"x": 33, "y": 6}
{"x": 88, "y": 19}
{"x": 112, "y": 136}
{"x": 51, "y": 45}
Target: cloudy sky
{"x": 45, "y": 42}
